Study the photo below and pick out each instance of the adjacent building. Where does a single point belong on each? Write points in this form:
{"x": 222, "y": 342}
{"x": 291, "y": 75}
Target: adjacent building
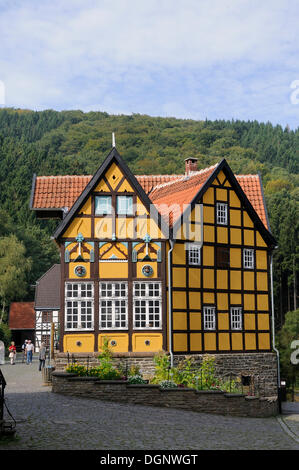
{"x": 47, "y": 306}
{"x": 21, "y": 322}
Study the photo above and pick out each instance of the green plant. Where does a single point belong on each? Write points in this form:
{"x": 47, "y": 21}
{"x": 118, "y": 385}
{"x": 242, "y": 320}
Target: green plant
{"x": 134, "y": 370}
{"x": 78, "y": 369}
{"x": 188, "y": 374}
{"x": 168, "y": 384}
{"x": 136, "y": 379}
{"x": 162, "y": 368}
{"x": 106, "y": 354}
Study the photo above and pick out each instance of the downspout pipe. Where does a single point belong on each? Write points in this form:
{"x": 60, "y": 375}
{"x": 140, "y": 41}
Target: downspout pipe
{"x": 273, "y": 330}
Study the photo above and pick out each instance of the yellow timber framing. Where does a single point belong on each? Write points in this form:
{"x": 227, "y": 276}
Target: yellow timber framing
{"x": 223, "y": 287}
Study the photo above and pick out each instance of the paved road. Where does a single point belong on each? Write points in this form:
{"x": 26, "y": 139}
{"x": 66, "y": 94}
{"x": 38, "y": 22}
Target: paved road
{"x": 47, "y": 421}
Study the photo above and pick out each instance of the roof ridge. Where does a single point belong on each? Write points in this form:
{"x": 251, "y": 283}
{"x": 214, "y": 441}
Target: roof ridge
{"x": 157, "y": 176}
{"x": 247, "y": 176}
{"x": 184, "y": 177}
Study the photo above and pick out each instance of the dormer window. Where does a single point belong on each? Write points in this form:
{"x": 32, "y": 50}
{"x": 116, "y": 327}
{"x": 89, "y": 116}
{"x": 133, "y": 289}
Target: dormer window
{"x": 221, "y": 213}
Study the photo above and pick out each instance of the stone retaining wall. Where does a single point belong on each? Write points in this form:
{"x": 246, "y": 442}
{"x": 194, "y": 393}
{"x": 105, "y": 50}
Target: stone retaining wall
{"x": 261, "y": 367}
{"x": 215, "y": 402}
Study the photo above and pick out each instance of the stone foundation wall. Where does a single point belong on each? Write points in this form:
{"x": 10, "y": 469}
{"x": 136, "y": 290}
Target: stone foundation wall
{"x": 214, "y": 402}
{"x": 261, "y": 367}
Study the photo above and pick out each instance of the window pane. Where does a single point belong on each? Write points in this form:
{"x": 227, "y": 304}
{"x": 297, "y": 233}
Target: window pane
{"x": 103, "y": 205}
{"x": 221, "y": 213}
{"x": 147, "y": 305}
{"x": 248, "y": 258}
{"x": 125, "y": 205}
{"x": 209, "y": 318}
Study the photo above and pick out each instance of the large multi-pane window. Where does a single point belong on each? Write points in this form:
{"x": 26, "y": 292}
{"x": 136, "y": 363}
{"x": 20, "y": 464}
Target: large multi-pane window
{"x": 221, "y": 209}
{"x": 248, "y": 258}
{"x": 113, "y": 305}
{"x": 79, "y": 306}
{"x": 147, "y": 305}
{"x": 209, "y": 318}
{"x": 236, "y": 318}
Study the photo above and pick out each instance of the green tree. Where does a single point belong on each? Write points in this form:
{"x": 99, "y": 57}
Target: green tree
{"x": 14, "y": 266}
{"x": 288, "y": 333}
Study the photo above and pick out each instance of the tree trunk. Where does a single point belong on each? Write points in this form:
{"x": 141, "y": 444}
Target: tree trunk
{"x": 3, "y": 311}
{"x": 295, "y": 285}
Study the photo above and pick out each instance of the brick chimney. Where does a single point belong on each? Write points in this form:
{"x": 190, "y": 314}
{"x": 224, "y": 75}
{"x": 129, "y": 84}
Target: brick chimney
{"x": 190, "y": 165}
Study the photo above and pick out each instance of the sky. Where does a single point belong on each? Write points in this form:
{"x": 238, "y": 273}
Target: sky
{"x": 193, "y": 59}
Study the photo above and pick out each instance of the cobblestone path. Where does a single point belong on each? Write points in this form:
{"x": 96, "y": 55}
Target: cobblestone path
{"x": 48, "y": 421}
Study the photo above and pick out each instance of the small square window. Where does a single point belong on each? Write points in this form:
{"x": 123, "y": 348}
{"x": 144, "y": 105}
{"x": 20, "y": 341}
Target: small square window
{"x": 248, "y": 258}
{"x": 125, "y": 205}
{"x": 103, "y": 205}
{"x": 221, "y": 213}
{"x": 209, "y": 317}
{"x": 194, "y": 254}
{"x": 236, "y": 318}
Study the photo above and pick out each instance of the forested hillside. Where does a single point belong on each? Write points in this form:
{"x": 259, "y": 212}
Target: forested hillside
{"x": 73, "y": 142}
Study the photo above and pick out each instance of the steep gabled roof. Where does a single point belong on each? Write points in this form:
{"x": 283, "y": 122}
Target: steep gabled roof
{"x": 47, "y": 291}
{"x": 112, "y": 157}
{"x": 67, "y": 193}
{"x": 191, "y": 190}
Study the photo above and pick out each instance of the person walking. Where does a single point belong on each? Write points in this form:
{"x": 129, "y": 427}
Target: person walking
{"x": 12, "y": 353}
{"x": 42, "y": 356}
{"x": 29, "y": 351}
{"x": 24, "y": 351}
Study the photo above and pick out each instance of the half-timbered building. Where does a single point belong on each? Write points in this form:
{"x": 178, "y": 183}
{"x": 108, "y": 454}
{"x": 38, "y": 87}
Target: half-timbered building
{"x": 178, "y": 263}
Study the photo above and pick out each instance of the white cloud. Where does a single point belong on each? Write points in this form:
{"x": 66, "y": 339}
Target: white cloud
{"x": 137, "y": 55}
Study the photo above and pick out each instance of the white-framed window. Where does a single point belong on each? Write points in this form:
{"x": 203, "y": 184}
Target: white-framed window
{"x": 79, "y": 306}
{"x": 194, "y": 254}
{"x": 236, "y": 318}
{"x": 147, "y": 307}
{"x": 209, "y": 318}
{"x": 113, "y": 303}
{"x": 221, "y": 209}
{"x": 103, "y": 205}
{"x": 125, "y": 205}
{"x": 248, "y": 258}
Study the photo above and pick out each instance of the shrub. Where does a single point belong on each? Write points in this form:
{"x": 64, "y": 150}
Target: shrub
{"x": 78, "y": 369}
{"x": 187, "y": 374}
{"x": 104, "y": 371}
{"x": 5, "y": 334}
{"x": 168, "y": 384}
{"x": 136, "y": 379}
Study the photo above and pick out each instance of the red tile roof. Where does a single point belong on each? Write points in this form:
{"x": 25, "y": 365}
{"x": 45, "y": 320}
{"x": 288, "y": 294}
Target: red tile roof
{"x": 57, "y": 192}
{"x": 21, "y": 316}
{"x": 251, "y": 185}
{"x": 179, "y": 193}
